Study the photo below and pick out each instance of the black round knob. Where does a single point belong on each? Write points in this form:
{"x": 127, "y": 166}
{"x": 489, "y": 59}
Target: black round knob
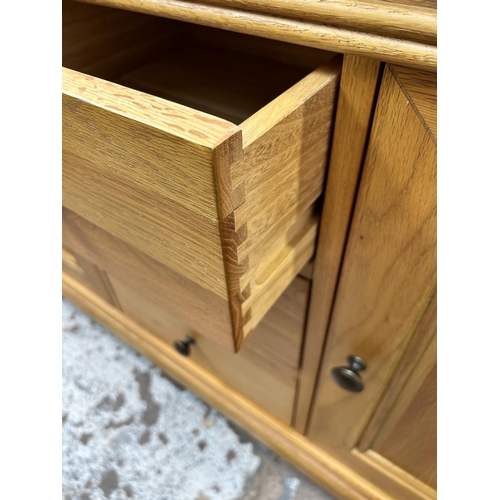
{"x": 348, "y": 377}
{"x": 183, "y": 346}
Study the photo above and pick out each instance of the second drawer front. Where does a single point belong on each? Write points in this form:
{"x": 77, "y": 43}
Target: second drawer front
{"x": 265, "y": 371}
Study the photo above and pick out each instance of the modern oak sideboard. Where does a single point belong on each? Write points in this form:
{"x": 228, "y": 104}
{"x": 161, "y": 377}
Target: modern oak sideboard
{"x": 249, "y": 200}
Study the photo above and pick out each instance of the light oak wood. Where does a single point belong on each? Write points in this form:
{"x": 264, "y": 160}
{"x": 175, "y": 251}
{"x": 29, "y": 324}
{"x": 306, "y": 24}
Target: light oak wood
{"x": 404, "y": 423}
{"x": 317, "y": 35}
{"x": 277, "y": 338}
{"x": 417, "y": 23}
{"x": 218, "y": 81}
{"x": 199, "y": 198}
{"x": 70, "y": 265}
{"x": 426, "y": 4}
{"x": 401, "y": 484}
{"x": 336, "y": 472}
{"x": 122, "y": 190}
{"x": 281, "y": 339}
{"x": 357, "y": 94}
{"x": 408, "y": 436}
{"x": 260, "y": 372}
{"x": 89, "y": 274}
{"x": 108, "y": 42}
{"x": 197, "y": 306}
{"x": 389, "y": 270}
{"x": 193, "y": 305}
{"x": 231, "y": 208}
{"x": 98, "y": 280}
{"x": 287, "y": 171}
{"x": 423, "y": 336}
{"x": 421, "y": 89}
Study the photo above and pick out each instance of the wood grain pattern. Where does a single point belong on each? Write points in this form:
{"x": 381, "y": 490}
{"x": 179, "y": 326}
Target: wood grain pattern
{"x": 257, "y": 373}
{"x": 408, "y": 436}
{"x": 418, "y": 344}
{"x": 87, "y": 273}
{"x": 320, "y": 36}
{"x": 107, "y": 42}
{"x": 416, "y": 450}
{"x": 121, "y": 189}
{"x": 313, "y": 91}
{"x": 333, "y": 471}
{"x": 283, "y": 170}
{"x": 218, "y": 204}
{"x": 389, "y": 271}
{"x": 281, "y": 339}
{"x": 426, "y": 4}
{"x": 218, "y": 81}
{"x": 417, "y": 23}
{"x": 376, "y": 468}
{"x": 283, "y": 268}
{"x": 421, "y": 89}
{"x": 202, "y": 309}
{"x": 197, "y": 129}
{"x": 357, "y": 93}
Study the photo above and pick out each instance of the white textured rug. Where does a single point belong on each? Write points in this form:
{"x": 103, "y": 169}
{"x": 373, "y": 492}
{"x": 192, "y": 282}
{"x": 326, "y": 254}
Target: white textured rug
{"x": 129, "y": 432}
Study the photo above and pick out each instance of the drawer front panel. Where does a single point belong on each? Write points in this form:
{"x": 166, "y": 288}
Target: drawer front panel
{"x": 197, "y": 306}
{"x": 144, "y": 185}
{"x": 261, "y": 374}
{"x": 148, "y": 187}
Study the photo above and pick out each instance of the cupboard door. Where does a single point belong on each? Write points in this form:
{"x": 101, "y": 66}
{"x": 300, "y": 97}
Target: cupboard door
{"x": 407, "y": 436}
{"x": 389, "y": 272}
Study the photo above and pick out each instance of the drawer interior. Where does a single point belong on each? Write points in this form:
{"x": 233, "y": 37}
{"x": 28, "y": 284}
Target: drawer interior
{"x": 225, "y": 74}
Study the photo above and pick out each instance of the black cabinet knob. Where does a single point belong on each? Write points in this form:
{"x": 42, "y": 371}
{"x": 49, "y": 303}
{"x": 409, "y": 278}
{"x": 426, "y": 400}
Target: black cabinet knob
{"x": 183, "y": 346}
{"x": 348, "y": 377}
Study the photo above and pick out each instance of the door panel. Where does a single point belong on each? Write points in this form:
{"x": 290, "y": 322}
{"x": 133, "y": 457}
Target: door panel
{"x": 389, "y": 270}
{"x": 407, "y": 438}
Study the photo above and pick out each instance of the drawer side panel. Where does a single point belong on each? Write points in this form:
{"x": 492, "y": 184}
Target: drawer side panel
{"x": 146, "y": 185}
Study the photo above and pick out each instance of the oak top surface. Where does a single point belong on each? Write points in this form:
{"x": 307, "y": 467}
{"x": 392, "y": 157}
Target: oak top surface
{"x": 429, "y": 4}
{"x": 395, "y": 31}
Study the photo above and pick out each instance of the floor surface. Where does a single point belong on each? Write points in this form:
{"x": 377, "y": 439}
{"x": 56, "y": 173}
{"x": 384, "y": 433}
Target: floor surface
{"x": 130, "y": 432}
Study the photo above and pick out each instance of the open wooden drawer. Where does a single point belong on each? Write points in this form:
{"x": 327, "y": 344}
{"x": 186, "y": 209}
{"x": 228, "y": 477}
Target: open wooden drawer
{"x": 205, "y": 150}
